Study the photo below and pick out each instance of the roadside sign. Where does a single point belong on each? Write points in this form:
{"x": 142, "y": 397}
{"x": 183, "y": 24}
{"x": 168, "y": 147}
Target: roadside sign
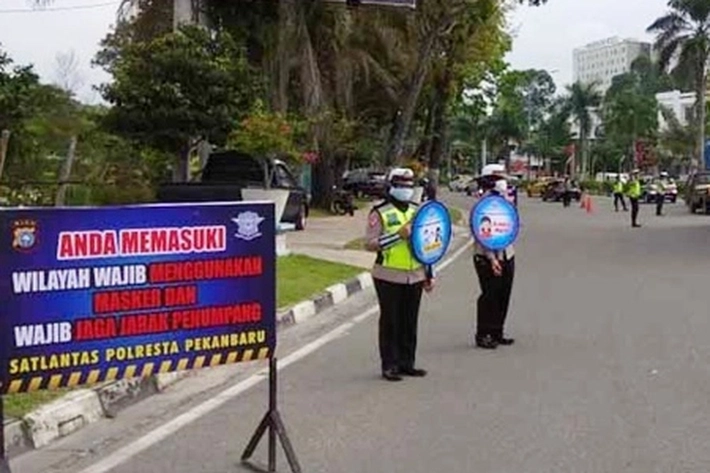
{"x": 98, "y": 294}
{"x": 494, "y": 222}
{"x": 431, "y": 232}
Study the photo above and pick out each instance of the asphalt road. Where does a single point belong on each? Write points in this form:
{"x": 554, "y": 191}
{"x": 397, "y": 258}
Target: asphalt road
{"x": 609, "y": 372}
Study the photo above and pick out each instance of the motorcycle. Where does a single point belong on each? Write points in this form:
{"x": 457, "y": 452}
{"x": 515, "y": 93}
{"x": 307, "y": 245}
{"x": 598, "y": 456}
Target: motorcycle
{"x": 343, "y": 202}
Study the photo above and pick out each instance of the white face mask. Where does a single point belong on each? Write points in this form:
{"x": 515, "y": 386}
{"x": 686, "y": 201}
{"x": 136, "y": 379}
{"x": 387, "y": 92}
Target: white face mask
{"x": 402, "y": 194}
{"x": 501, "y": 186}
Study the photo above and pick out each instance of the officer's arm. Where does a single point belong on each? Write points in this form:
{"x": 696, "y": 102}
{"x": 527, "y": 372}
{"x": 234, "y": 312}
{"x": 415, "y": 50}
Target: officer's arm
{"x": 375, "y": 240}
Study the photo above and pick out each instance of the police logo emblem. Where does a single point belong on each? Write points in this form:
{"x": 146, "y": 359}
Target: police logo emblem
{"x": 24, "y": 235}
{"x": 248, "y": 225}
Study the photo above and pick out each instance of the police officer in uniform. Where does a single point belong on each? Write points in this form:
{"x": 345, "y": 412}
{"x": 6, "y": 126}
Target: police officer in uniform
{"x": 661, "y": 186}
{"x": 619, "y": 194}
{"x": 634, "y": 192}
{"x": 399, "y": 278}
{"x": 495, "y": 270}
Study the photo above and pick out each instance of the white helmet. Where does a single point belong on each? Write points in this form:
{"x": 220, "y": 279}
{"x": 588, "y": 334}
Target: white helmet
{"x": 403, "y": 175}
{"x": 664, "y": 174}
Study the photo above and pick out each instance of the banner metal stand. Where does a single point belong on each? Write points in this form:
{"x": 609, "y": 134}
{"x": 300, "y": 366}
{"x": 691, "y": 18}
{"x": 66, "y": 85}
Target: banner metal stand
{"x": 271, "y": 421}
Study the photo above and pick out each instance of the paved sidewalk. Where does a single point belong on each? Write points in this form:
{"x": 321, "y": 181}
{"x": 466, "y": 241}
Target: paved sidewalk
{"x": 325, "y": 238}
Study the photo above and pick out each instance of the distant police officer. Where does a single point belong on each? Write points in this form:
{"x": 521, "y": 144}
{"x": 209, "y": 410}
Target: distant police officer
{"x": 661, "y": 187}
{"x": 619, "y": 194}
{"x": 399, "y": 278}
{"x": 633, "y": 190}
{"x": 495, "y": 272}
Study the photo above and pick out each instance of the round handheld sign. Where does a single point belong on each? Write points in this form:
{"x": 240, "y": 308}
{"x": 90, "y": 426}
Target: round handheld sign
{"x": 431, "y": 232}
{"x": 495, "y": 222}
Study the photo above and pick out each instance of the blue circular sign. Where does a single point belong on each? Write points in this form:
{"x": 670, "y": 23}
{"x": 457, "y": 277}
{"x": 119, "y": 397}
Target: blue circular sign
{"x": 431, "y": 232}
{"x": 495, "y": 222}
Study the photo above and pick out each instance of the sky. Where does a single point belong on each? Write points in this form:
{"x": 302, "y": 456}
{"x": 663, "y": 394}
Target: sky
{"x": 544, "y": 37}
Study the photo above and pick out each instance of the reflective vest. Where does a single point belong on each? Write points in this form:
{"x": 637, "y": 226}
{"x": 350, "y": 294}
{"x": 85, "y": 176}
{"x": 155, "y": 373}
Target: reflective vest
{"x": 618, "y": 187}
{"x": 399, "y": 256}
{"x": 634, "y": 189}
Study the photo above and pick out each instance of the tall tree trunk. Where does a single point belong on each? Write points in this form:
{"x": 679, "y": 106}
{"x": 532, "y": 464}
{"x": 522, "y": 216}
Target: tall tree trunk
{"x": 314, "y": 100}
{"x": 701, "y": 90}
{"x": 280, "y": 63}
{"x": 181, "y": 167}
{"x": 442, "y": 95}
{"x": 405, "y": 115}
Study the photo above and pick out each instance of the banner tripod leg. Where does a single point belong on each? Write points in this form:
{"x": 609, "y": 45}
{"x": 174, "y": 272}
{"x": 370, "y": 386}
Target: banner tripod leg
{"x": 4, "y": 462}
{"x": 277, "y": 431}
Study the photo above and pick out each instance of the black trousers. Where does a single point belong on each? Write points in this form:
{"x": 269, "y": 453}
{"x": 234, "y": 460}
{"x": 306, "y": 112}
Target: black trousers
{"x": 619, "y": 197}
{"x": 660, "y": 199}
{"x": 493, "y": 303}
{"x": 634, "y": 210}
{"x": 566, "y": 198}
{"x": 399, "y": 320}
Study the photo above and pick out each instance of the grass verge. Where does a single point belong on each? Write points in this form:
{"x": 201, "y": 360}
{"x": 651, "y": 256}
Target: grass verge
{"x": 299, "y": 277}
{"x": 18, "y": 405}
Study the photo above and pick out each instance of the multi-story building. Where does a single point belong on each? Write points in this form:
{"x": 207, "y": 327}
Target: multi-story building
{"x": 682, "y": 104}
{"x": 601, "y": 61}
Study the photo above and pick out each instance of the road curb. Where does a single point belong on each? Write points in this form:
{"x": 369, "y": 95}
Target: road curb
{"x": 79, "y": 408}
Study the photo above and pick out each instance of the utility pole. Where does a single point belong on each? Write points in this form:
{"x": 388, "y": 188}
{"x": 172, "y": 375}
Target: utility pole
{"x": 4, "y": 141}
{"x": 65, "y": 173}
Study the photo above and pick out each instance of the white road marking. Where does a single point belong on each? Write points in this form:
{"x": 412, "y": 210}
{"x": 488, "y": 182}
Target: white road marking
{"x": 157, "y": 435}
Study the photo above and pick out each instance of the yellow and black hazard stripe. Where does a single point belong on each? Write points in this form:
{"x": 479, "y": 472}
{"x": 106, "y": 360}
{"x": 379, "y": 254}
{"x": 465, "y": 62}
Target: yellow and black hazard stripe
{"x": 143, "y": 369}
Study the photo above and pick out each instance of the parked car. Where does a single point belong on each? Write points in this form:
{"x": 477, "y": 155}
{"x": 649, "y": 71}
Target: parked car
{"x": 459, "y": 183}
{"x": 226, "y": 173}
{"x": 537, "y": 187}
{"x": 649, "y": 190}
{"x": 365, "y": 183}
{"x": 554, "y": 190}
{"x": 697, "y": 192}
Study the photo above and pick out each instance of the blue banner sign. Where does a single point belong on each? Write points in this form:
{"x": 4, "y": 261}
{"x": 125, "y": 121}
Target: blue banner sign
{"x": 99, "y": 294}
{"x": 494, "y": 222}
{"x": 431, "y": 232}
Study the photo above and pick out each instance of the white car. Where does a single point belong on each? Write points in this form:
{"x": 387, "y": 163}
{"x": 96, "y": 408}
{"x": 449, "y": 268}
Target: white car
{"x": 458, "y": 184}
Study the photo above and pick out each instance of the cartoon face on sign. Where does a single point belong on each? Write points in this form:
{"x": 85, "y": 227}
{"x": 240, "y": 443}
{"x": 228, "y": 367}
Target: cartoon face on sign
{"x": 485, "y": 227}
{"x": 431, "y": 232}
{"x": 494, "y": 222}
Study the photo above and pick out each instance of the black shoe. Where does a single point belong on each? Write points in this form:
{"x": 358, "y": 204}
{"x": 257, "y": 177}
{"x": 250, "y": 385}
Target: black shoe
{"x": 486, "y": 342}
{"x": 414, "y": 372}
{"x": 506, "y": 341}
{"x": 636, "y": 225}
{"x": 391, "y": 375}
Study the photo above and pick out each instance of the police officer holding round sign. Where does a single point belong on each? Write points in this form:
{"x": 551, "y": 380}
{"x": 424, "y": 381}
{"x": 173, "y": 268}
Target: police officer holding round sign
{"x": 494, "y": 224}
{"x": 409, "y": 240}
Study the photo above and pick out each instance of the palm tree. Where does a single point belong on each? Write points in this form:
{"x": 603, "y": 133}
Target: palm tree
{"x": 579, "y": 104}
{"x": 684, "y": 32}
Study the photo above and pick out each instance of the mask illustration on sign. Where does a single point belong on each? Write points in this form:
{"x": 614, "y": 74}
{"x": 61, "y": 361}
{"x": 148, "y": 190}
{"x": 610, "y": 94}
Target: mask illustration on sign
{"x": 402, "y": 194}
{"x": 501, "y": 186}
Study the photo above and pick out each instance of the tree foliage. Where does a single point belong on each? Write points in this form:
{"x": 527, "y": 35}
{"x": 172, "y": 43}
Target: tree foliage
{"x": 176, "y": 89}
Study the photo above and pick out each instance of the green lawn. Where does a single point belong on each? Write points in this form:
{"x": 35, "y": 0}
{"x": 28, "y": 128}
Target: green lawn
{"x": 17, "y": 405}
{"x": 299, "y": 277}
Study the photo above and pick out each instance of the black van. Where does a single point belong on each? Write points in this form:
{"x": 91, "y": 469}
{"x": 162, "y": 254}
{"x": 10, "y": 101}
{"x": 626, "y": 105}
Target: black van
{"x": 228, "y": 172}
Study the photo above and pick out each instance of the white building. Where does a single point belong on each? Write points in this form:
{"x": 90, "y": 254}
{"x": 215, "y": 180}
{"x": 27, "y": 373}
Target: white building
{"x": 682, "y": 104}
{"x": 601, "y": 61}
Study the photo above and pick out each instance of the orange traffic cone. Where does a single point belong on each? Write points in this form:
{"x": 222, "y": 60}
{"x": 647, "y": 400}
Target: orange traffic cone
{"x": 590, "y": 206}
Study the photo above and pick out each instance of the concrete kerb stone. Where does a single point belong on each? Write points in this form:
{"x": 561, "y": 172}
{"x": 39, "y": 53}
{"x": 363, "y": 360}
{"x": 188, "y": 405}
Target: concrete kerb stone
{"x": 63, "y": 416}
{"x": 81, "y": 407}
{"x": 16, "y": 439}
